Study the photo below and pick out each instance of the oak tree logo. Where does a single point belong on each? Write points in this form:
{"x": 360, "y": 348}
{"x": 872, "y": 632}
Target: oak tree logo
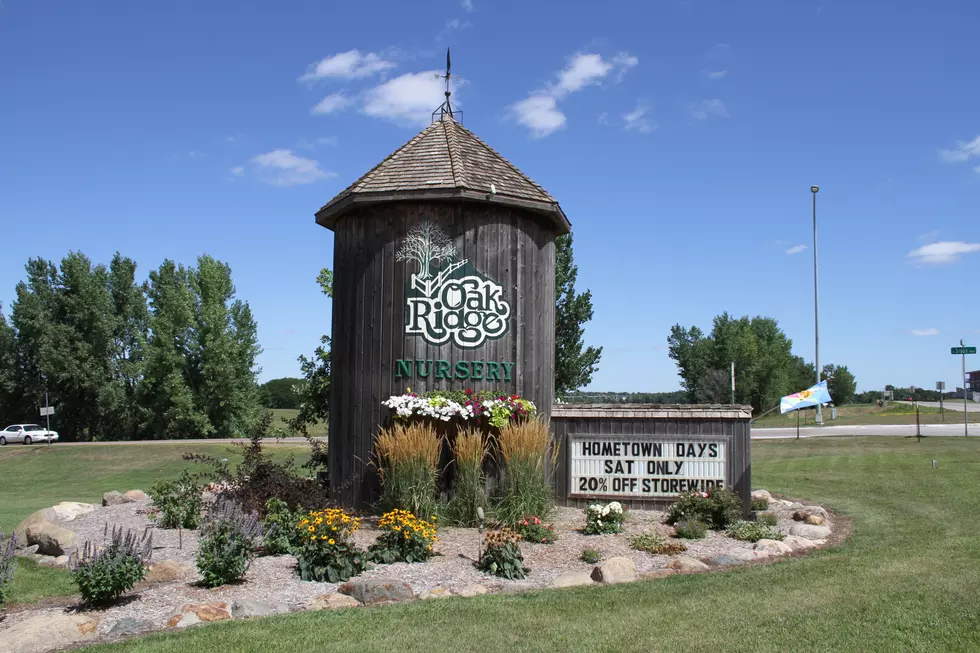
{"x": 448, "y": 299}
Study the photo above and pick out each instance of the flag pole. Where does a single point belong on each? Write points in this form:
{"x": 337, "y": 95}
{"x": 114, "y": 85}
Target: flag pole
{"x": 797, "y": 425}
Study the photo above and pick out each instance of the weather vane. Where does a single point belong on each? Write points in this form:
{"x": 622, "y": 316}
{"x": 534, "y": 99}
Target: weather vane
{"x": 446, "y": 108}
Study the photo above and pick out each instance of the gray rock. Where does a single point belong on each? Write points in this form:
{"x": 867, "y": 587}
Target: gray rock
{"x": 69, "y": 510}
{"x": 47, "y": 515}
{"x": 51, "y": 539}
{"x": 128, "y": 626}
{"x": 798, "y": 543}
{"x": 747, "y": 555}
{"x": 686, "y": 563}
{"x": 816, "y": 510}
{"x": 48, "y": 632}
{"x": 56, "y": 562}
{"x": 331, "y": 602}
{"x": 726, "y": 561}
{"x": 470, "y": 591}
{"x": 518, "y": 587}
{"x": 113, "y": 499}
{"x": 810, "y": 532}
{"x": 249, "y": 608}
{"x": 795, "y": 505}
{"x": 573, "y": 579}
{"x": 773, "y": 547}
{"x": 27, "y": 551}
{"x": 618, "y": 569}
{"x": 761, "y": 494}
{"x": 377, "y": 590}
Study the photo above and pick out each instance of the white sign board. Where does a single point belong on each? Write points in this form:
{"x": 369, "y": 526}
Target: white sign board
{"x": 641, "y": 468}
{"x": 49, "y": 410}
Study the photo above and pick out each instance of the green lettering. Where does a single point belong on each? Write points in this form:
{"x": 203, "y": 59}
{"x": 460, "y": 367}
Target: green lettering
{"x": 423, "y": 372}
{"x": 462, "y": 370}
{"x": 493, "y": 371}
{"x": 443, "y": 370}
{"x": 403, "y": 368}
{"x": 507, "y": 368}
{"x": 477, "y": 370}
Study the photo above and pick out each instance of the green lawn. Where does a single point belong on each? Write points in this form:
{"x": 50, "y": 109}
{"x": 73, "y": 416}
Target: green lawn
{"x": 906, "y": 580}
{"x": 318, "y": 431}
{"x": 857, "y": 414}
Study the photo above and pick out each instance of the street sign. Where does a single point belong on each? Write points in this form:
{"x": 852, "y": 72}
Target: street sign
{"x": 940, "y": 385}
{"x": 48, "y": 410}
{"x": 963, "y": 350}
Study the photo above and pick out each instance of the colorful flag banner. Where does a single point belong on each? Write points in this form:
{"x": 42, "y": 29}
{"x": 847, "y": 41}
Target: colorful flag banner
{"x": 812, "y": 396}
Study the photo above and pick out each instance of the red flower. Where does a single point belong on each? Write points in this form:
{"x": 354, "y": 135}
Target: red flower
{"x": 468, "y": 391}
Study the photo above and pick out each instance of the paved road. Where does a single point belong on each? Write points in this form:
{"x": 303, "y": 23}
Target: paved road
{"x": 949, "y": 404}
{"x": 897, "y": 430}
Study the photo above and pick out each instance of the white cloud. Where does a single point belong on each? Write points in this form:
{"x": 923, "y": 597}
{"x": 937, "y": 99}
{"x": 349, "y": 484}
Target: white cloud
{"x": 347, "y": 65}
{"x": 943, "y": 252}
{"x": 283, "y": 168}
{"x": 539, "y": 111}
{"x": 962, "y": 152}
{"x": 407, "y": 99}
{"x": 468, "y": 5}
{"x": 455, "y": 24}
{"x": 637, "y": 120}
{"x": 238, "y": 171}
{"x": 925, "y": 332}
{"x": 331, "y": 103}
{"x": 716, "y": 74}
{"x": 796, "y": 249}
{"x": 708, "y": 108}
{"x": 540, "y": 114}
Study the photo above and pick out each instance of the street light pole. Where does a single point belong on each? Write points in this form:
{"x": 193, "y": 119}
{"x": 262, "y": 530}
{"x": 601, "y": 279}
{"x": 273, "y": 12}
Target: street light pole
{"x": 816, "y": 319}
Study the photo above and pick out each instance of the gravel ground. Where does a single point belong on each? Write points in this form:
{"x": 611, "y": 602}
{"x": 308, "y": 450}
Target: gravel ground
{"x": 273, "y": 580}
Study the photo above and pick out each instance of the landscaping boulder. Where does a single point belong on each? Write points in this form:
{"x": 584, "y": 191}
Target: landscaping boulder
{"x": 113, "y": 499}
{"x": 774, "y": 547}
{"x": 56, "y": 562}
{"x": 135, "y": 495}
{"x": 167, "y": 571}
{"x": 195, "y": 613}
{"x": 69, "y": 510}
{"x": 810, "y": 532}
{"x": 331, "y": 602}
{"x": 47, "y": 514}
{"x": 517, "y": 587}
{"x": 758, "y": 495}
{"x": 685, "y": 563}
{"x": 470, "y": 591}
{"x": 615, "y": 570}
{"x": 244, "y": 608}
{"x": 798, "y": 543}
{"x": 378, "y": 590}
{"x": 47, "y": 632}
{"x": 128, "y": 626}
{"x": 748, "y": 555}
{"x": 573, "y": 579}
{"x": 726, "y": 561}
{"x": 800, "y": 515}
{"x": 814, "y": 520}
{"x": 795, "y": 505}
{"x": 27, "y": 551}
{"x": 816, "y": 510}
{"x": 434, "y": 593}
{"x": 51, "y": 539}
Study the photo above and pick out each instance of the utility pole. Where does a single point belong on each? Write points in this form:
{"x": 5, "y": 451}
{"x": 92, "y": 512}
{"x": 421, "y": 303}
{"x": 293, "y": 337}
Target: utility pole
{"x": 966, "y": 414}
{"x": 816, "y": 313}
{"x": 733, "y": 383}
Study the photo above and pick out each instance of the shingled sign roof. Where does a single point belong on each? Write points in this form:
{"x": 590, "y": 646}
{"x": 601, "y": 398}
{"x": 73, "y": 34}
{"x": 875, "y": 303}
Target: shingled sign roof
{"x": 445, "y": 161}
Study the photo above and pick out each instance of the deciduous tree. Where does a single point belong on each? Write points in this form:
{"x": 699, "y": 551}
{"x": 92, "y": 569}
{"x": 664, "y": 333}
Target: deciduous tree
{"x": 574, "y": 362}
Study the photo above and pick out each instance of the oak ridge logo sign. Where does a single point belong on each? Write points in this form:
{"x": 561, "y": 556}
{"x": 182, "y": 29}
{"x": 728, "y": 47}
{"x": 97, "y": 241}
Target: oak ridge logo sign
{"x": 449, "y": 300}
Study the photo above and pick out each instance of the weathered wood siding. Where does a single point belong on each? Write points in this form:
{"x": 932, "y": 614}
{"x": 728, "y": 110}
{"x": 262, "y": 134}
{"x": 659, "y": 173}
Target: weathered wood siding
{"x": 510, "y": 246}
{"x": 727, "y": 423}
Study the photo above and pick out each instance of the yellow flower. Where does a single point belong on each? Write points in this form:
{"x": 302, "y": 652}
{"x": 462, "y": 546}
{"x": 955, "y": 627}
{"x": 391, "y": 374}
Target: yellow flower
{"x": 311, "y": 529}
{"x": 331, "y": 541}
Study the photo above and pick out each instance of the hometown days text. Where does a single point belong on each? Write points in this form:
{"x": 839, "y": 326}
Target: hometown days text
{"x": 644, "y": 468}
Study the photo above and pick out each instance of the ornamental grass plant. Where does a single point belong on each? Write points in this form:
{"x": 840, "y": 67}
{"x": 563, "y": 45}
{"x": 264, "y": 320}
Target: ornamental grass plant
{"x": 470, "y": 449}
{"x": 526, "y": 489}
{"x": 407, "y": 458}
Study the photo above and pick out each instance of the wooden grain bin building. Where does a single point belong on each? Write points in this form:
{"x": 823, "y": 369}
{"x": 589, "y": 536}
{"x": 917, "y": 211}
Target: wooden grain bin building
{"x": 444, "y": 278}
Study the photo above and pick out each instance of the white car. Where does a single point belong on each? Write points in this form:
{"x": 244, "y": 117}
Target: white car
{"x": 27, "y": 434}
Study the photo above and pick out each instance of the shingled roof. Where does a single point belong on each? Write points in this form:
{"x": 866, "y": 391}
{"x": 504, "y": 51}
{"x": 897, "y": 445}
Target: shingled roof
{"x": 445, "y": 161}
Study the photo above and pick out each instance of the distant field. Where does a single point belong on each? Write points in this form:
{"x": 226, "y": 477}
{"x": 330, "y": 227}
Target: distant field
{"x": 319, "y": 431}
{"x": 857, "y": 414}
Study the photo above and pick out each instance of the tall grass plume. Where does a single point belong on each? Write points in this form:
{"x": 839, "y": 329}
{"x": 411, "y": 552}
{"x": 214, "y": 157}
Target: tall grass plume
{"x": 407, "y": 461}
{"x": 470, "y": 448}
{"x": 526, "y": 488}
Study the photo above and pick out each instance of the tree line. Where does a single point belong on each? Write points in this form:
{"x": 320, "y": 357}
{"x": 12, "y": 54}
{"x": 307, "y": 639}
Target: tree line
{"x": 172, "y": 356}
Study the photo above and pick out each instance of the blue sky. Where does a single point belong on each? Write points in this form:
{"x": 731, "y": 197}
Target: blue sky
{"x": 681, "y": 139}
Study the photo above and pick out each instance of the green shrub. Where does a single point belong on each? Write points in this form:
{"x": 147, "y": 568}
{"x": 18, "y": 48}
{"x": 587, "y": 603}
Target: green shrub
{"x": 227, "y": 543}
{"x": 759, "y": 505}
{"x": 404, "y": 538}
{"x": 179, "y": 502}
{"x": 8, "y": 563}
{"x": 591, "y": 556}
{"x": 604, "y": 519}
{"x": 753, "y": 531}
{"x": 767, "y": 518}
{"x": 526, "y": 490}
{"x": 502, "y": 556}
{"x": 408, "y": 459}
{"x": 279, "y": 534}
{"x": 470, "y": 448}
{"x": 691, "y": 530}
{"x": 103, "y": 574}
{"x": 718, "y": 507}
{"x": 325, "y": 552}
{"x": 532, "y": 529}
{"x": 656, "y": 544}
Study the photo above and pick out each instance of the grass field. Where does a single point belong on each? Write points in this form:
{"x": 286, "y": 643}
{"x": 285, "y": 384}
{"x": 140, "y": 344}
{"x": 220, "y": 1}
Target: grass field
{"x": 906, "y": 580}
{"x": 857, "y": 414}
{"x": 318, "y": 431}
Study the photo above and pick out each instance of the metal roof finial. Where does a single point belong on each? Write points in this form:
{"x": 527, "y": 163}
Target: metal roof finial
{"x": 446, "y": 108}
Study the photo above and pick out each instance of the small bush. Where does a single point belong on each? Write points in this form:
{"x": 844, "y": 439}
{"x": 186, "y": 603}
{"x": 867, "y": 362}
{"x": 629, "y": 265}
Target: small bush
{"x": 691, "y": 530}
{"x": 753, "y": 531}
{"x": 766, "y": 518}
{"x": 718, "y": 507}
{"x": 532, "y": 529}
{"x": 8, "y": 563}
{"x": 404, "y": 538}
{"x": 591, "y": 556}
{"x": 227, "y": 543}
{"x": 470, "y": 448}
{"x": 325, "y": 552}
{"x": 759, "y": 505}
{"x": 103, "y": 574}
{"x": 408, "y": 459}
{"x": 603, "y": 519}
{"x": 178, "y": 501}
{"x": 656, "y": 544}
{"x": 502, "y": 556}
{"x": 279, "y": 534}
{"x": 526, "y": 490}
